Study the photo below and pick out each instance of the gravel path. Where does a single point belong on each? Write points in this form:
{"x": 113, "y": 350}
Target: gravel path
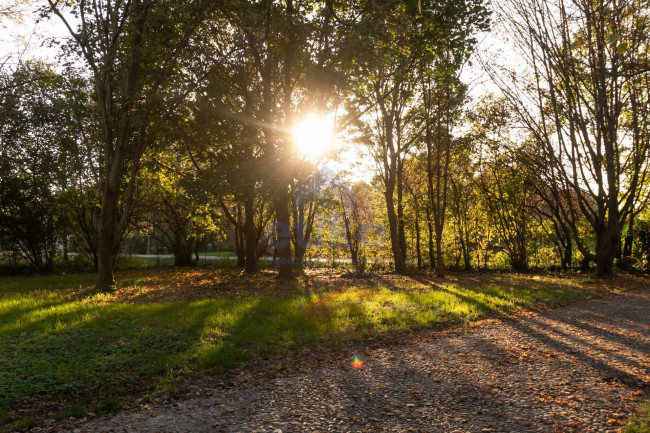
{"x": 579, "y": 368}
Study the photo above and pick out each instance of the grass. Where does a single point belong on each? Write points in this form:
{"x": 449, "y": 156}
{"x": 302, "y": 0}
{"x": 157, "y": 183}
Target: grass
{"x": 74, "y": 411}
{"x": 640, "y": 422}
{"x": 82, "y": 351}
{"x": 218, "y": 254}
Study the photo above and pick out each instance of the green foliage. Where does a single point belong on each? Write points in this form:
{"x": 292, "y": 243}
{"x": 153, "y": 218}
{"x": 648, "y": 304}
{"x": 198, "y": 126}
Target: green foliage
{"x": 75, "y": 411}
{"x": 38, "y": 149}
{"x": 639, "y": 423}
{"x": 176, "y": 206}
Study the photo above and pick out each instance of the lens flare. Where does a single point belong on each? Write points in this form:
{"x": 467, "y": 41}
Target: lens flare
{"x": 357, "y": 363}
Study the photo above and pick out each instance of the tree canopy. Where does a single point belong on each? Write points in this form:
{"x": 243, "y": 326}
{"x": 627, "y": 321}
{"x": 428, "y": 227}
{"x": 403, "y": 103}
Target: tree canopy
{"x": 186, "y": 125}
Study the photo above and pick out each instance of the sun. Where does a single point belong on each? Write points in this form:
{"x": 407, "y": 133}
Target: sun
{"x": 313, "y": 136}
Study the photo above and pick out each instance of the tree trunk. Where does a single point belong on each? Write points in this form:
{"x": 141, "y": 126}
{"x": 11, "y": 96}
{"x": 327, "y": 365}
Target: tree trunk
{"x": 430, "y": 230}
{"x": 240, "y": 243}
{"x": 400, "y": 267}
{"x": 605, "y": 264}
{"x": 629, "y": 238}
{"x": 106, "y": 239}
{"x": 400, "y": 209}
{"x": 250, "y": 236}
{"x": 440, "y": 261}
{"x": 283, "y": 233}
{"x": 607, "y": 243}
{"x": 240, "y": 247}
{"x": 418, "y": 250}
{"x": 567, "y": 258}
{"x": 183, "y": 255}
{"x": 299, "y": 258}
{"x": 520, "y": 260}
{"x": 486, "y": 254}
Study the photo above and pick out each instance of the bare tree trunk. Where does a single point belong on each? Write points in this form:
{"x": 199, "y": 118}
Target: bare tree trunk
{"x": 567, "y": 258}
{"x": 240, "y": 247}
{"x": 183, "y": 253}
{"x": 299, "y": 258}
{"x": 606, "y": 244}
{"x": 629, "y": 238}
{"x": 240, "y": 242}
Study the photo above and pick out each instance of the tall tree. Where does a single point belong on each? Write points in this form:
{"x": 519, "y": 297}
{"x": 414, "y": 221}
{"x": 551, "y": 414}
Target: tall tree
{"x": 586, "y": 103}
{"x": 354, "y": 202}
{"x": 400, "y": 39}
{"x": 442, "y": 97}
{"x": 39, "y": 154}
{"x": 291, "y": 48}
{"x": 137, "y": 54}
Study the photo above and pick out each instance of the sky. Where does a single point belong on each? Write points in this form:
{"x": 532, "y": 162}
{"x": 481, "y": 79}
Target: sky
{"x": 25, "y": 40}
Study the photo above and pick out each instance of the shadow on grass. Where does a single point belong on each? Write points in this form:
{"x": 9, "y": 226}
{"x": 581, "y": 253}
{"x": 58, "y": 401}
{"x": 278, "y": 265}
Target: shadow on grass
{"x": 85, "y": 349}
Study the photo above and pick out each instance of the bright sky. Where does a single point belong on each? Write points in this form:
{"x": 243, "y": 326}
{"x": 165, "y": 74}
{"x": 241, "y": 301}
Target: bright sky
{"x": 25, "y": 40}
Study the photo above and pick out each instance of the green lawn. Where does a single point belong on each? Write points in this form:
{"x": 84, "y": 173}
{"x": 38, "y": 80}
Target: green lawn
{"x": 640, "y": 422}
{"x": 219, "y": 254}
{"x": 61, "y": 342}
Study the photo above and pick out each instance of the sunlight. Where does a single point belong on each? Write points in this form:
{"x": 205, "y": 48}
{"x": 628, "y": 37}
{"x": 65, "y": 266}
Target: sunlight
{"x": 313, "y": 136}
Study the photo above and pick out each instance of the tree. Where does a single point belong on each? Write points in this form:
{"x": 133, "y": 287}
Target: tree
{"x": 289, "y": 46}
{"x": 403, "y": 40}
{"x": 442, "y": 97}
{"x": 137, "y": 55}
{"x": 388, "y": 62}
{"x": 586, "y": 103}
{"x": 504, "y": 184}
{"x": 225, "y": 144}
{"x": 305, "y": 206}
{"x": 177, "y": 206}
{"x": 464, "y": 198}
{"x": 38, "y": 149}
{"x": 416, "y": 186}
{"x": 354, "y": 201}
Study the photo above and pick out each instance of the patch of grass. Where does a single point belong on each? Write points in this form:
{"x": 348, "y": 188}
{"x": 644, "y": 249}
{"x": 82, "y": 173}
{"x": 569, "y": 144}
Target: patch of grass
{"x": 26, "y": 283}
{"x": 25, "y": 423}
{"x": 107, "y": 404}
{"x": 74, "y": 410}
{"x": 126, "y": 262}
{"x": 640, "y": 422}
{"x": 59, "y": 342}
